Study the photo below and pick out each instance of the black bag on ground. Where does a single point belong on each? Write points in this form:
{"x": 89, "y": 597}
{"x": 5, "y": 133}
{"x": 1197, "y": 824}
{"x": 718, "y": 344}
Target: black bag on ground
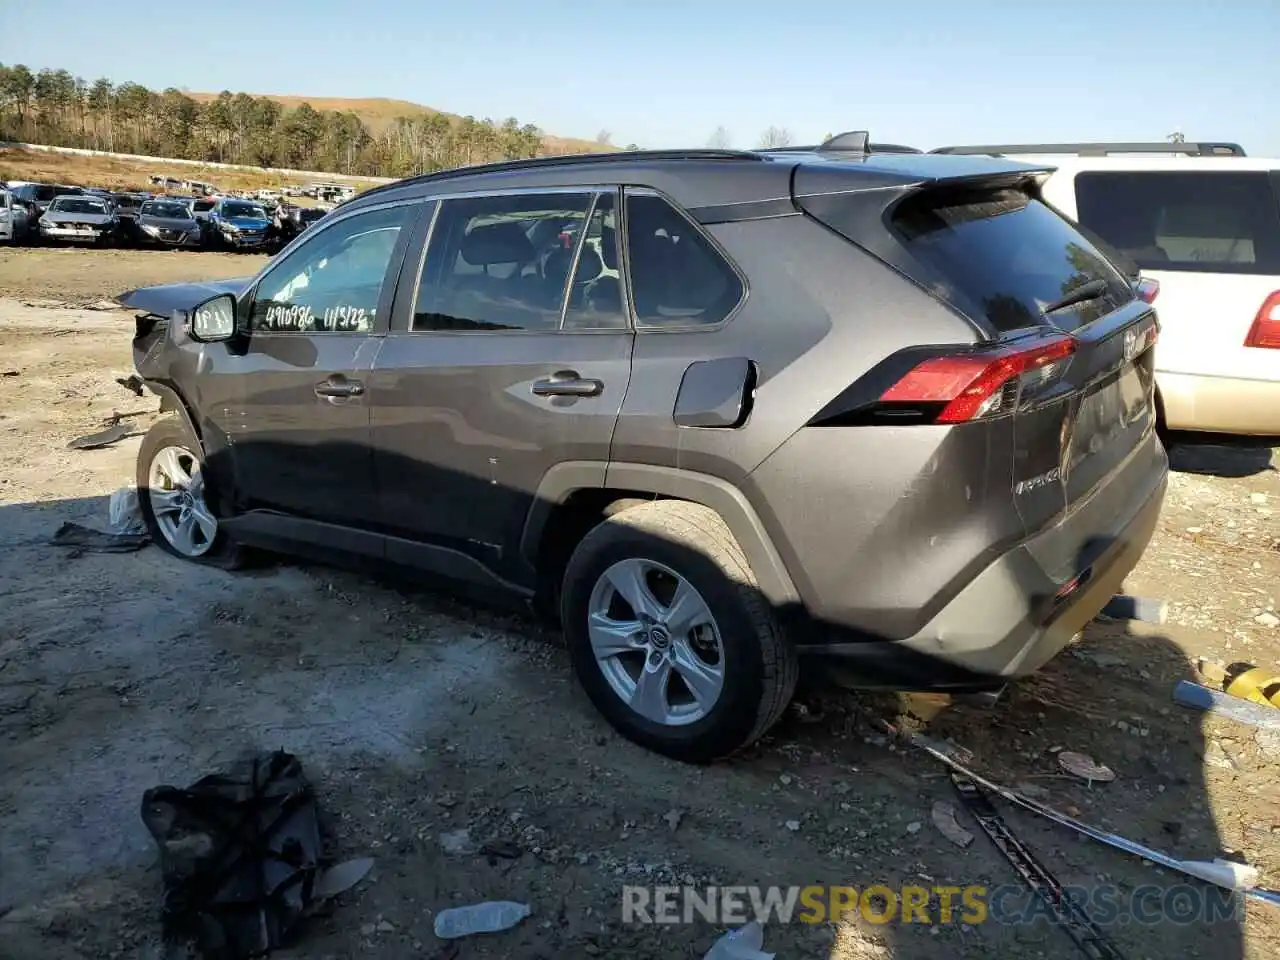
{"x": 239, "y": 852}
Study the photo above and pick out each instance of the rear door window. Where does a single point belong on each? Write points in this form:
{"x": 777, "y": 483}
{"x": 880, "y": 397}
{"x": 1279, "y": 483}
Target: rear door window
{"x": 500, "y": 262}
{"x": 1206, "y": 221}
{"x": 1004, "y": 256}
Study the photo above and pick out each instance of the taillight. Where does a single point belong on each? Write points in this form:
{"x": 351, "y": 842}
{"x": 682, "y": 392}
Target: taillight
{"x": 971, "y": 386}
{"x": 1147, "y": 290}
{"x": 1265, "y": 331}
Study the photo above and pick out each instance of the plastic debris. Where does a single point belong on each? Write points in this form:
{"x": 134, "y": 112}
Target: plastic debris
{"x": 744, "y": 943}
{"x": 341, "y": 877}
{"x": 491, "y": 916}
{"x": 1121, "y": 607}
{"x": 944, "y": 818}
{"x": 124, "y": 513}
{"x": 458, "y": 843}
{"x": 1197, "y": 697}
{"x": 1085, "y": 767}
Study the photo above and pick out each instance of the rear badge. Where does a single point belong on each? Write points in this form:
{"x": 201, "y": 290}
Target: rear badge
{"x": 1035, "y": 483}
{"x": 1131, "y": 343}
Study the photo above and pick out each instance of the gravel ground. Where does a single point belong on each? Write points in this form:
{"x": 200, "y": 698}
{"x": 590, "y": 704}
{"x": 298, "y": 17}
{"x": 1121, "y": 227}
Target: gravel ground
{"x": 417, "y": 715}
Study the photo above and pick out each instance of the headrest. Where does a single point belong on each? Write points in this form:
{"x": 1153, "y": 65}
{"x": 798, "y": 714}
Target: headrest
{"x": 590, "y": 264}
{"x": 609, "y": 247}
{"x": 501, "y": 242}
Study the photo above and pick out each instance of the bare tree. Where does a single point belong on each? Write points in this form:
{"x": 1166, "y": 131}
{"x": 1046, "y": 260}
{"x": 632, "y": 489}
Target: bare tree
{"x": 719, "y": 139}
{"x": 604, "y": 137}
{"x": 775, "y": 137}
{"x": 1177, "y": 137}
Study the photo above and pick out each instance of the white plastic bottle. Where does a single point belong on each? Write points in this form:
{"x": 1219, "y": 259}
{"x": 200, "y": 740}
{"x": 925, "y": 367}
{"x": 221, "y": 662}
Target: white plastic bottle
{"x": 488, "y": 917}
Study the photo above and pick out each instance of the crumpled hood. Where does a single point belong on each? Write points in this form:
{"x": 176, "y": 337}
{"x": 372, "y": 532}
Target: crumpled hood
{"x": 58, "y": 216}
{"x": 168, "y": 297}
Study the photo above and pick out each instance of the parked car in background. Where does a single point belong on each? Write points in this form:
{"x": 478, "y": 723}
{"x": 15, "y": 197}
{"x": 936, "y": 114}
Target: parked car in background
{"x": 15, "y": 221}
{"x": 292, "y": 220}
{"x": 890, "y": 412}
{"x": 168, "y": 223}
{"x": 238, "y": 224}
{"x": 127, "y": 206}
{"x": 38, "y": 196}
{"x": 80, "y": 219}
{"x": 1202, "y": 223}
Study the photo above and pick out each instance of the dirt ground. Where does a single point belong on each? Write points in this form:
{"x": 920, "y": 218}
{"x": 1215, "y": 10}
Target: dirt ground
{"x": 417, "y": 715}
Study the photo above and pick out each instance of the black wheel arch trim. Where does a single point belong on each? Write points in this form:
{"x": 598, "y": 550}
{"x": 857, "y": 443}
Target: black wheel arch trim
{"x": 565, "y": 479}
{"x": 171, "y": 401}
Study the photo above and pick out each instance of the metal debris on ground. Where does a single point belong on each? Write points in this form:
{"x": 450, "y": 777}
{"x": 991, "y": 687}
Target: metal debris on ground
{"x": 744, "y": 943}
{"x": 489, "y": 917}
{"x": 1190, "y": 868}
{"x": 496, "y": 850}
{"x": 1067, "y": 913}
{"x": 116, "y": 430}
{"x": 132, "y": 383}
{"x": 1085, "y": 767}
{"x": 103, "y": 438}
{"x": 241, "y": 857}
{"x": 82, "y": 539}
{"x": 944, "y": 818}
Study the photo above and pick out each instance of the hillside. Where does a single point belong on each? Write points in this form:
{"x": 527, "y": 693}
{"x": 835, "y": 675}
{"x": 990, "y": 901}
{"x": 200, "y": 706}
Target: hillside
{"x": 378, "y": 113}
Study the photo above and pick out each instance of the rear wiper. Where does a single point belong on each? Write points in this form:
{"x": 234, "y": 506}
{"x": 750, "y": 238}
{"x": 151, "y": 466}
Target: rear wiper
{"x": 1091, "y": 290}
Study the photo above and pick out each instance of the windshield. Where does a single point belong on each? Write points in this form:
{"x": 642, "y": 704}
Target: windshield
{"x": 78, "y": 205}
{"x": 177, "y": 211}
{"x": 310, "y": 213}
{"x": 243, "y": 210}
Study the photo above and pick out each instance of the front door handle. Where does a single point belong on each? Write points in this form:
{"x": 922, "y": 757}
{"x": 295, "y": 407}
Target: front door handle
{"x": 567, "y": 383}
{"x": 339, "y": 386}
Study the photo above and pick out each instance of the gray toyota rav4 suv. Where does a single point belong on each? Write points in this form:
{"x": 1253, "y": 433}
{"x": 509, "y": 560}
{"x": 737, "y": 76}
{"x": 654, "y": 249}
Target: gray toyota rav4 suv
{"x": 718, "y": 411}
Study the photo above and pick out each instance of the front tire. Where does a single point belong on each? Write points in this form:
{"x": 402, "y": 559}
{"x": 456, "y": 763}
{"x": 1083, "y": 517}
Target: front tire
{"x": 171, "y": 496}
{"x": 670, "y": 636}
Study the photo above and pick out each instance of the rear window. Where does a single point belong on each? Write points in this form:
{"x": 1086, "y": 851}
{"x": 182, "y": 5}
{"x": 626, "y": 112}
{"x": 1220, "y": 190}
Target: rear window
{"x": 1005, "y": 256}
{"x": 1198, "y": 221}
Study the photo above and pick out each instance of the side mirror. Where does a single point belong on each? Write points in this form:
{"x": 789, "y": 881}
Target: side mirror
{"x": 214, "y": 320}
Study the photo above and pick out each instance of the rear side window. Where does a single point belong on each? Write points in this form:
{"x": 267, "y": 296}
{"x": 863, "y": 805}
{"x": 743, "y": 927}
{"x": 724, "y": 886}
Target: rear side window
{"x": 1200, "y": 221}
{"x": 678, "y": 278}
{"x": 1004, "y": 257}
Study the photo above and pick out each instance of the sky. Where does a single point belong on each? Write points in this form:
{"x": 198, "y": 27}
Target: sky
{"x": 662, "y": 73}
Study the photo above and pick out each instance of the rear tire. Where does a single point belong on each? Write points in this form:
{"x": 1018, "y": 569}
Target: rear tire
{"x": 171, "y": 498}
{"x": 675, "y": 546}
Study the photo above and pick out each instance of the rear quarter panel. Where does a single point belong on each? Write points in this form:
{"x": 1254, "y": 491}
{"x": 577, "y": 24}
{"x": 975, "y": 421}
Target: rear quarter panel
{"x": 818, "y": 314}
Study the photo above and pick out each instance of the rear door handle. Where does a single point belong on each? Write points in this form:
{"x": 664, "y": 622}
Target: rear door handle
{"x": 339, "y": 386}
{"x": 567, "y": 383}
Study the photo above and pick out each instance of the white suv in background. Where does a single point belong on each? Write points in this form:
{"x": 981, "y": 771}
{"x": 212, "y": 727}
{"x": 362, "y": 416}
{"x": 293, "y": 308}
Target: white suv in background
{"x": 1202, "y": 220}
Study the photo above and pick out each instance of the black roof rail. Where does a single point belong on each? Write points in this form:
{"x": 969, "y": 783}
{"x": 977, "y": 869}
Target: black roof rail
{"x": 1199, "y": 149}
{"x": 564, "y": 160}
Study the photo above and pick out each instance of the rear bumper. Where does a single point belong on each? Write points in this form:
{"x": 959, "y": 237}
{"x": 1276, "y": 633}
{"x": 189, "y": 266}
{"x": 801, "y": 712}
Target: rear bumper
{"x": 1013, "y": 617}
{"x": 1220, "y": 404}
